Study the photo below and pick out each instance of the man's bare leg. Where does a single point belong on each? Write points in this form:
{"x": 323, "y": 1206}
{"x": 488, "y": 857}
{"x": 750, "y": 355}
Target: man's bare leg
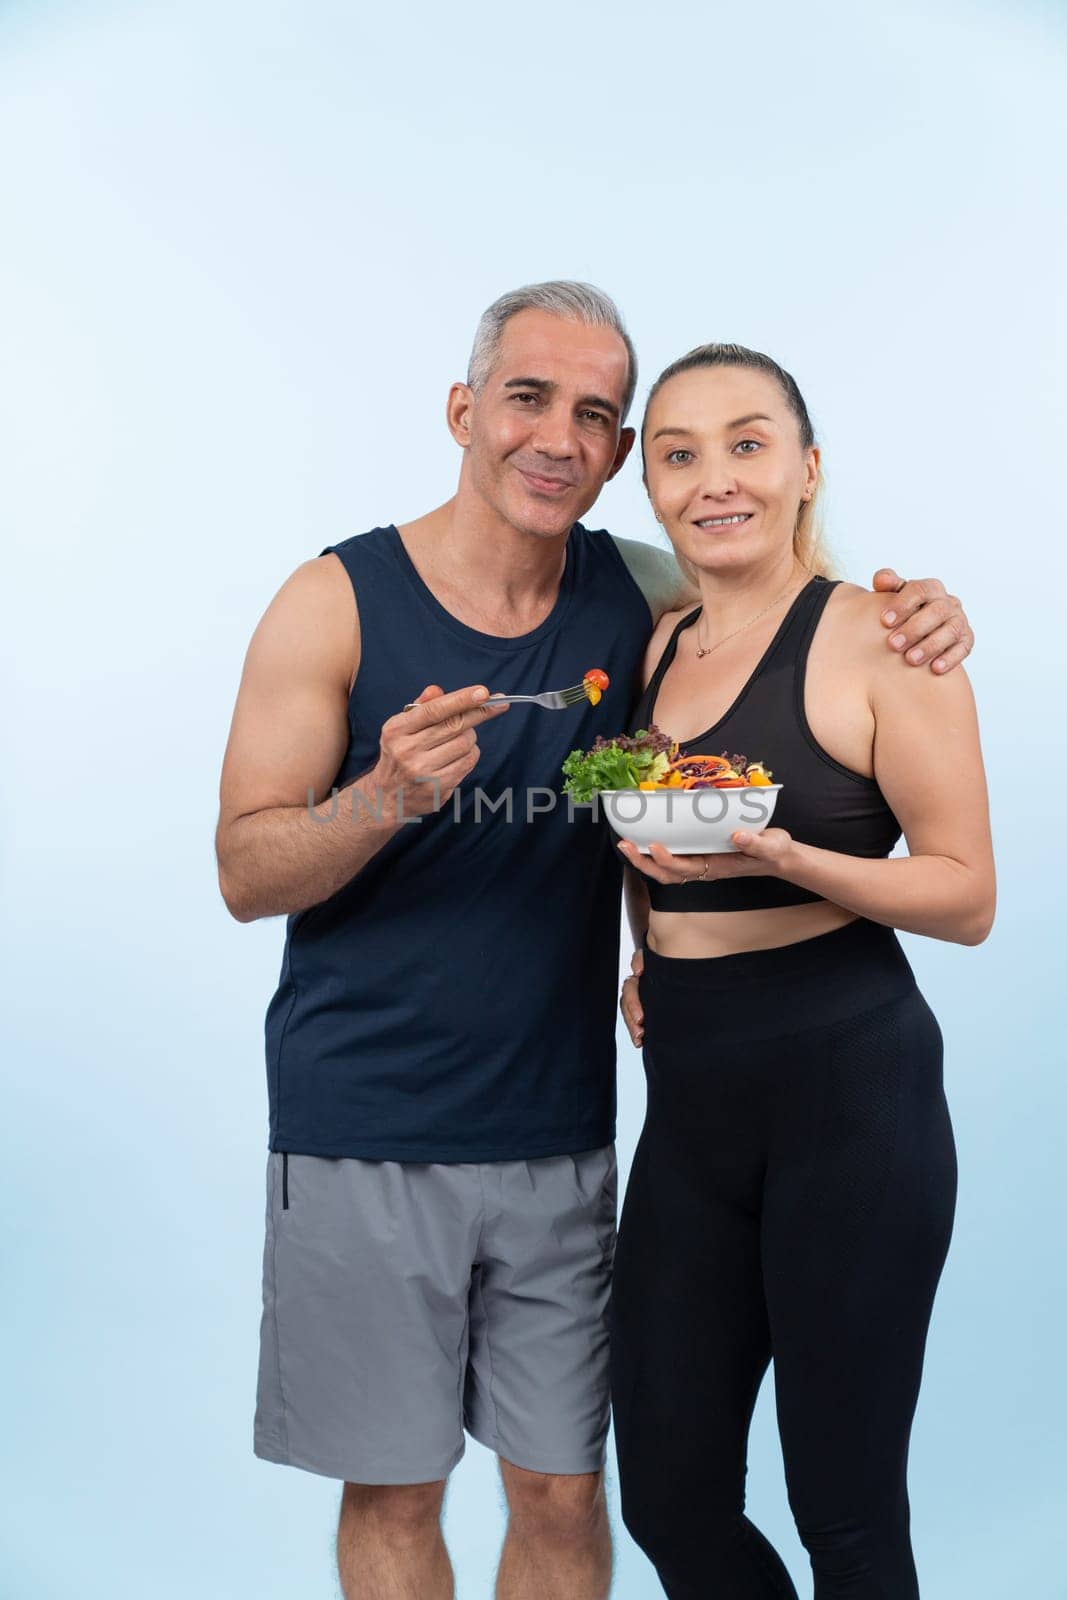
{"x": 390, "y": 1545}
{"x": 558, "y": 1544}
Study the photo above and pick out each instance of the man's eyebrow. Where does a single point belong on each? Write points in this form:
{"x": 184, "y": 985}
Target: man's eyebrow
{"x": 600, "y": 403}
{"x": 687, "y": 433}
{"x": 546, "y": 386}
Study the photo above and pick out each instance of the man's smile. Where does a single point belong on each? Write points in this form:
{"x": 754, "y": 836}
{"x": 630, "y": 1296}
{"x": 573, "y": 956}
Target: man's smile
{"x": 543, "y": 485}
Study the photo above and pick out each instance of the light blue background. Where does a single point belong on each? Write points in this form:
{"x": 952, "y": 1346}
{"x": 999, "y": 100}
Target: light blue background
{"x": 245, "y": 247}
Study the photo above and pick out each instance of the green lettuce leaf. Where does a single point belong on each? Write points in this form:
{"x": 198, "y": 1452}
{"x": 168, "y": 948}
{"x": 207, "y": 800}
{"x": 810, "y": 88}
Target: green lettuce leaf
{"x": 620, "y": 763}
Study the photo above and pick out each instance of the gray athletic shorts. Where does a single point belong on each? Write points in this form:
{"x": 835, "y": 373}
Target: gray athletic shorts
{"x": 406, "y": 1301}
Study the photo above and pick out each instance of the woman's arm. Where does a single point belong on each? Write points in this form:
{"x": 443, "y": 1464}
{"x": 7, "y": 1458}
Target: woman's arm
{"x": 635, "y": 890}
{"x": 928, "y": 763}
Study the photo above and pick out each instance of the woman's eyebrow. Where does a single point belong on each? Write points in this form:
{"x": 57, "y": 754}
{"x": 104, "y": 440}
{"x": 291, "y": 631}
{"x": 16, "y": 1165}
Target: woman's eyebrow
{"x": 680, "y": 433}
{"x": 687, "y": 433}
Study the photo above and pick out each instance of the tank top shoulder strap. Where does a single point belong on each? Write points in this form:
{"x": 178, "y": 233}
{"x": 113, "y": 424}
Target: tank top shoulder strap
{"x": 385, "y": 586}
{"x": 371, "y": 559}
{"x": 670, "y": 650}
{"x": 791, "y": 646}
{"x": 820, "y": 591}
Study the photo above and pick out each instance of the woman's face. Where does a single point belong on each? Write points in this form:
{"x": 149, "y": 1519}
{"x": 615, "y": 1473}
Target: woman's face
{"x": 725, "y": 470}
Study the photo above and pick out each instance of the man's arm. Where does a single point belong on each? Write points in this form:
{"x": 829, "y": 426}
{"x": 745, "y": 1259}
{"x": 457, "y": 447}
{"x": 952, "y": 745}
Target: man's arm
{"x": 635, "y": 890}
{"x": 288, "y": 735}
{"x": 658, "y": 576}
{"x": 925, "y": 623}
{"x": 280, "y": 849}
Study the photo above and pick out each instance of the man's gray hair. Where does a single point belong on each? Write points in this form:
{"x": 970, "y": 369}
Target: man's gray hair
{"x": 574, "y": 302}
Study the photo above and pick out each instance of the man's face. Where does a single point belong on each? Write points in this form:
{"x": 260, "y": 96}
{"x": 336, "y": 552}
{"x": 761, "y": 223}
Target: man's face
{"x": 543, "y": 435}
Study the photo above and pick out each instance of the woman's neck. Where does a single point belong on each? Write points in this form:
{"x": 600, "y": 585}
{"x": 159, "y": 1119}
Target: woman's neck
{"x": 730, "y": 599}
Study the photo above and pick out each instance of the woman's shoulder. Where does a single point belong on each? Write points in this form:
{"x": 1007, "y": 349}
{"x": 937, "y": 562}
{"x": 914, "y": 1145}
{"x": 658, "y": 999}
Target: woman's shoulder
{"x": 849, "y": 648}
{"x": 853, "y": 598}
{"x": 854, "y": 617}
{"x": 858, "y": 636}
{"x": 670, "y": 620}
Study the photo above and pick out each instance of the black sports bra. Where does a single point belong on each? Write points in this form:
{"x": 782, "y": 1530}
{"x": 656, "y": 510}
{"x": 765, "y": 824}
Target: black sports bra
{"x": 821, "y": 802}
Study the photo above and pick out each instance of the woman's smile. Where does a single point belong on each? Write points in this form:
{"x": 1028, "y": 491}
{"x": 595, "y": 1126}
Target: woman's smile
{"x": 732, "y": 521}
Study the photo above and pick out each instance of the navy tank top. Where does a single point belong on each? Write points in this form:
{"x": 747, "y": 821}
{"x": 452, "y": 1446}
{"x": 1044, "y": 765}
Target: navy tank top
{"x": 455, "y": 1001}
{"x": 821, "y": 802}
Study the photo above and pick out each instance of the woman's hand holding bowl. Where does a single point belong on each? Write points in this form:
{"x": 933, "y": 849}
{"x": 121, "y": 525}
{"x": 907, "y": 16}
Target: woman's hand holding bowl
{"x": 764, "y": 854}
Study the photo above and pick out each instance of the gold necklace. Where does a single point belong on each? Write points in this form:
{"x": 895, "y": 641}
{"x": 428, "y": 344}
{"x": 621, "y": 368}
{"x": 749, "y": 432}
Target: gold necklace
{"x": 709, "y": 648}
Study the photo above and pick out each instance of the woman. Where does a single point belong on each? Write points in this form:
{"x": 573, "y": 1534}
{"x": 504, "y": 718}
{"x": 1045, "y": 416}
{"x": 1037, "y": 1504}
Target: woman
{"x": 793, "y": 1190}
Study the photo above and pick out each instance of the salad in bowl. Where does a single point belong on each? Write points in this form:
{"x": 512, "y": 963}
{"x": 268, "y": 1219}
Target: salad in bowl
{"x": 651, "y": 792}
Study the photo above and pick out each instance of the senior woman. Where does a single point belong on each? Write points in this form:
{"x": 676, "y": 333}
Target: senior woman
{"x": 793, "y": 1190}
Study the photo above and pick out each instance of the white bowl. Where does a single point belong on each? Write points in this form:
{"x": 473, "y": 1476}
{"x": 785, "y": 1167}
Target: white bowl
{"x": 688, "y": 822}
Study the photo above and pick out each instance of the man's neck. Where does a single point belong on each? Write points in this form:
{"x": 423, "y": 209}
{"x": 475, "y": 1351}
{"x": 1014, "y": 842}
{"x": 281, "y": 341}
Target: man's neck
{"x": 483, "y": 569}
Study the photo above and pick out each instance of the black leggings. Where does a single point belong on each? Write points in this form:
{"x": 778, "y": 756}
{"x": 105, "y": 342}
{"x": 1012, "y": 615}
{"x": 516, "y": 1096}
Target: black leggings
{"x": 792, "y": 1195}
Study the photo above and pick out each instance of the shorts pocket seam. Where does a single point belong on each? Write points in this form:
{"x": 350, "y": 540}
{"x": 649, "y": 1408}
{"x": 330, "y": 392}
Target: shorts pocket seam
{"x": 274, "y": 1307}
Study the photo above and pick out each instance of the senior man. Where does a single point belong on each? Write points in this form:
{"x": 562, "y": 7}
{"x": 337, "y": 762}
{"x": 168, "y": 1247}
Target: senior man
{"x": 441, "y": 1181}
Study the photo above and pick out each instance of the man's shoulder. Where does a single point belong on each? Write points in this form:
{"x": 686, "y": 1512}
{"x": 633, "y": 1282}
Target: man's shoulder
{"x": 657, "y": 574}
{"x": 642, "y": 550}
{"x": 367, "y": 539}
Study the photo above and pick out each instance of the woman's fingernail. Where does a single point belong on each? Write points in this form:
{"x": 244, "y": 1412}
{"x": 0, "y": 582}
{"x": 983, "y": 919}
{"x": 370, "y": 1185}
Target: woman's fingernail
{"x": 939, "y": 666}
{"x": 915, "y": 655}
{"x": 898, "y": 641}
{"x": 889, "y": 617}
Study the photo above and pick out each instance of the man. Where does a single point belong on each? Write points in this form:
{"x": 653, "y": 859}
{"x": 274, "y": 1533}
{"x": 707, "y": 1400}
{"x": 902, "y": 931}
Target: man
{"x": 440, "y": 1048}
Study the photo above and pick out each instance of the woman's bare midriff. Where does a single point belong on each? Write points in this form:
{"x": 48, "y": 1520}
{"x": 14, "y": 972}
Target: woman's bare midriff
{"x": 694, "y": 934}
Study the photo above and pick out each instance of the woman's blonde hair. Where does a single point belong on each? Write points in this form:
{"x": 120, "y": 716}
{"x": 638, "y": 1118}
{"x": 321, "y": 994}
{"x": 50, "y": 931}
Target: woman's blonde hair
{"x": 809, "y": 537}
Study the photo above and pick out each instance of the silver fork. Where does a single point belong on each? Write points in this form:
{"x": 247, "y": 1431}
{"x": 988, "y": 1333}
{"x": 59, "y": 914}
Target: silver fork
{"x": 552, "y": 700}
